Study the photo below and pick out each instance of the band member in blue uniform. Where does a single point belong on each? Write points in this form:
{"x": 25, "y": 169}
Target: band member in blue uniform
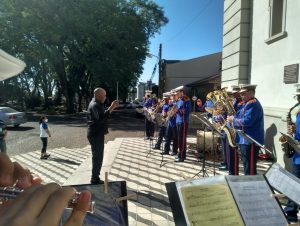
{"x": 149, "y": 124}
{"x": 291, "y": 208}
{"x": 182, "y": 122}
{"x": 163, "y": 125}
{"x": 250, "y": 119}
{"x": 171, "y": 132}
{"x": 232, "y": 153}
{"x": 218, "y": 119}
{"x": 208, "y": 107}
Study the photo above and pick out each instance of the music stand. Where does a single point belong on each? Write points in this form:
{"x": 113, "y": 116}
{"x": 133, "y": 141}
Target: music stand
{"x": 251, "y": 140}
{"x": 207, "y": 125}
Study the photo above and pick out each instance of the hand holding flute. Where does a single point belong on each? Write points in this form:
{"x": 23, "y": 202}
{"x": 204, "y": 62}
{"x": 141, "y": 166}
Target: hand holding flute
{"x": 39, "y": 204}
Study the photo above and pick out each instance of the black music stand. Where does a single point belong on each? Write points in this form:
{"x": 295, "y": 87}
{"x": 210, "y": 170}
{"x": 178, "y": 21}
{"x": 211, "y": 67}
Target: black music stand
{"x": 207, "y": 125}
{"x": 145, "y": 118}
{"x": 150, "y": 145}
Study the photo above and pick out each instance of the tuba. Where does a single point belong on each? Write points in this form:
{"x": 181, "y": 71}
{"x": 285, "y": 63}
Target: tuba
{"x": 222, "y": 101}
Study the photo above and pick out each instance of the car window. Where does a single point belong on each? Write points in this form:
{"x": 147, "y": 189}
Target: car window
{"x": 8, "y": 110}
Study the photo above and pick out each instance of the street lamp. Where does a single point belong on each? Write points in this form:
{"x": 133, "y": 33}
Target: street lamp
{"x": 152, "y": 55}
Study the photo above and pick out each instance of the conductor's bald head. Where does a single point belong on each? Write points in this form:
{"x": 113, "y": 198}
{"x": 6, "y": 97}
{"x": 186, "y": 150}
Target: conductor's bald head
{"x": 100, "y": 95}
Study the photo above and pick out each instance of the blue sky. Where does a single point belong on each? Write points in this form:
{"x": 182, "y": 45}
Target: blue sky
{"x": 195, "y": 29}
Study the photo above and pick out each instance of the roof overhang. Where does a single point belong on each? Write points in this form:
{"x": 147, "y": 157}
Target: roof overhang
{"x": 9, "y": 66}
{"x": 203, "y": 81}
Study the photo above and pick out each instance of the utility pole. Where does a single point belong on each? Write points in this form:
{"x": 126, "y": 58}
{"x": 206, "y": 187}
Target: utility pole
{"x": 117, "y": 90}
{"x": 160, "y": 91}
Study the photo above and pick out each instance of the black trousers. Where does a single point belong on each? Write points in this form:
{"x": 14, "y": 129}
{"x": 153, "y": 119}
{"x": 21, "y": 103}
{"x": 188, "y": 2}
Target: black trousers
{"x": 161, "y": 135}
{"x": 44, "y": 143}
{"x": 224, "y": 148}
{"x": 149, "y": 128}
{"x": 249, "y": 154}
{"x": 171, "y": 135}
{"x": 97, "y": 145}
{"x": 182, "y": 130}
{"x": 291, "y": 208}
{"x": 232, "y": 159}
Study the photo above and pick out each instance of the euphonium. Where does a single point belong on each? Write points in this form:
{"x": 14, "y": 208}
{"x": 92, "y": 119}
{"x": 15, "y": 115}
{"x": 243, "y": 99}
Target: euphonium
{"x": 220, "y": 97}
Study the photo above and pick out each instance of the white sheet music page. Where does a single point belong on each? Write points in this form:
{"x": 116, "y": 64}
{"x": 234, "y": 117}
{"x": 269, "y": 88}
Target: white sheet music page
{"x": 253, "y": 197}
{"x": 284, "y": 182}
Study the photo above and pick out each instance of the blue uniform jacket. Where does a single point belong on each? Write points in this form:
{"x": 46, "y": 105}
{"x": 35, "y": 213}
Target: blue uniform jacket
{"x": 208, "y": 104}
{"x": 250, "y": 119}
{"x": 149, "y": 103}
{"x": 183, "y": 111}
{"x": 296, "y": 156}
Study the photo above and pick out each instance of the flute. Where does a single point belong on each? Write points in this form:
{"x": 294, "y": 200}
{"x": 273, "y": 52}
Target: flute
{"x": 10, "y": 193}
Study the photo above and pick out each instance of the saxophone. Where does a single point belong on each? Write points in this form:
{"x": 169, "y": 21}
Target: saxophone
{"x": 287, "y": 148}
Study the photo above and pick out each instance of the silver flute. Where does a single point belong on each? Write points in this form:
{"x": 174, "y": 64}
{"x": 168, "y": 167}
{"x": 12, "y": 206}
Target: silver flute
{"x": 10, "y": 193}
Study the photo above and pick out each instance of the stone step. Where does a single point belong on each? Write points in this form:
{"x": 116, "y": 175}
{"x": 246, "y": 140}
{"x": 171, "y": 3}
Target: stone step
{"x": 83, "y": 174}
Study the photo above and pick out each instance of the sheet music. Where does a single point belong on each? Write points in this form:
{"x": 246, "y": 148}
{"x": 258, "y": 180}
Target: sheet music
{"x": 218, "y": 190}
{"x": 253, "y": 197}
{"x": 208, "y": 205}
{"x": 284, "y": 182}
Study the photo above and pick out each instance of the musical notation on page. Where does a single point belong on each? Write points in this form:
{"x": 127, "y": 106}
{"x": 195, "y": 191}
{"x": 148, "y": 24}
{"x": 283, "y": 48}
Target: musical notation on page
{"x": 207, "y": 205}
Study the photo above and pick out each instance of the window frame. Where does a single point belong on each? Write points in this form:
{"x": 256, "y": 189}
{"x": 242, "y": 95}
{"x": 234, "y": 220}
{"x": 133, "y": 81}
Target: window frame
{"x": 283, "y": 33}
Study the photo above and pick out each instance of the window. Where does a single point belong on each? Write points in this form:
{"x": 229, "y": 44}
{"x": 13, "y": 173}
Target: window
{"x": 277, "y": 20}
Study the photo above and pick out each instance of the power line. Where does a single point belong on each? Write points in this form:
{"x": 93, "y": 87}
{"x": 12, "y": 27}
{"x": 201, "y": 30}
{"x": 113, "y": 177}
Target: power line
{"x": 191, "y": 22}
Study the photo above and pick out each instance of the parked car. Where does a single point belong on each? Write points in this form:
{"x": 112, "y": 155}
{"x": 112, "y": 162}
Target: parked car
{"x": 139, "y": 111}
{"x": 12, "y": 117}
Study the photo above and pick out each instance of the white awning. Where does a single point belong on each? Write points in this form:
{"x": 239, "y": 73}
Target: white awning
{"x": 9, "y": 66}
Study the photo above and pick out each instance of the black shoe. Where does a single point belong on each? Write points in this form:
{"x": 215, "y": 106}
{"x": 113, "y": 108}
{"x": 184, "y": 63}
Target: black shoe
{"x": 156, "y": 147}
{"x": 165, "y": 153}
{"x": 147, "y": 138}
{"x": 45, "y": 156}
{"x": 292, "y": 218}
{"x": 177, "y": 157}
{"x": 179, "y": 160}
{"x": 223, "y": 168}
{"x": 223, "y": 164}
{"x": 174, "y": 153}
{"x": 97, "y": 181}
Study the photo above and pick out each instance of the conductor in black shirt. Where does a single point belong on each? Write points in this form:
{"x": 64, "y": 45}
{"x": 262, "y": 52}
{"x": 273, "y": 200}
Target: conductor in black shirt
{"x": 97, "y": 127}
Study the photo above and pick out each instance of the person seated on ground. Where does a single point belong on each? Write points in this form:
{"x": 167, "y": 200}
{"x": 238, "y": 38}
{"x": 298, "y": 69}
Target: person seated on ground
{"x": 38, "y": 204}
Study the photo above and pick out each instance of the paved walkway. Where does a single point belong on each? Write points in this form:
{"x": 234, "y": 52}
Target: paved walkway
{"x": 132, "y": 160}
{"x": 62, "y": 163}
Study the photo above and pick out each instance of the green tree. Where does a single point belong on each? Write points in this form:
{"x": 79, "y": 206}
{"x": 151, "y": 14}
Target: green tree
{"x": 73, "y": 46}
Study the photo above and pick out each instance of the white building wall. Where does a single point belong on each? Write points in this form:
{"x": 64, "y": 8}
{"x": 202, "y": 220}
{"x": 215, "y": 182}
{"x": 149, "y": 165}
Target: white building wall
{"x": 141, "y": 88}
{"x": 236, "y": 32}
{"x": 267, "y": 68}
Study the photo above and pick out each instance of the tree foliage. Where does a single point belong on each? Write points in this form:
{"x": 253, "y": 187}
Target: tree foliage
{"x": 72, "y": 46}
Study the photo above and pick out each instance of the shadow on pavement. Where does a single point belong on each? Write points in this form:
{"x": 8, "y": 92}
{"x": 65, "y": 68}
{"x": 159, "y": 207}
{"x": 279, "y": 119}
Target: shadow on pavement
{"x": 70, "y": 162}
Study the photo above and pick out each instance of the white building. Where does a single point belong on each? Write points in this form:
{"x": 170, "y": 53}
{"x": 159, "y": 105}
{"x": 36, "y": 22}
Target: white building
{"x": 260, "y": 46}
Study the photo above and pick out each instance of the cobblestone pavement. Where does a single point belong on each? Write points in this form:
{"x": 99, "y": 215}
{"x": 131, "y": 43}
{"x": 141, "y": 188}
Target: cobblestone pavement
{"x": 141, "y": 167}
{"x": 62, "y": 163}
